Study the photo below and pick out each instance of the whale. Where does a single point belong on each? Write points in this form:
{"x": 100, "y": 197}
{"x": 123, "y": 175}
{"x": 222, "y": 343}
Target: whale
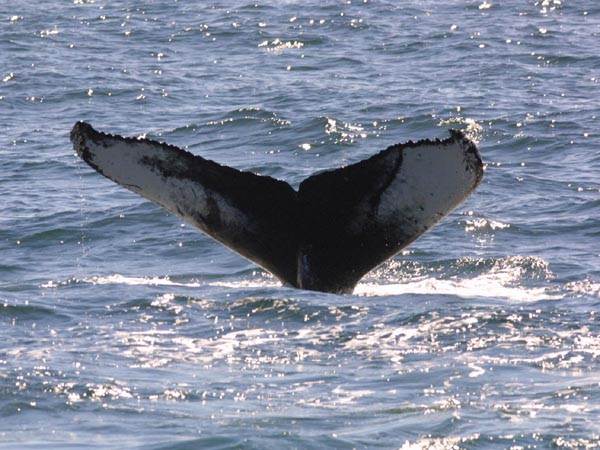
{"x": 324, "y": 236}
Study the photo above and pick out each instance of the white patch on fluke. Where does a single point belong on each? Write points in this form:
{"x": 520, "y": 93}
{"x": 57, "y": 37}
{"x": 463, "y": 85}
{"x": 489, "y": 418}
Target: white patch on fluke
{"x": 128, "y": 165}
{"x": 432, "y": 181}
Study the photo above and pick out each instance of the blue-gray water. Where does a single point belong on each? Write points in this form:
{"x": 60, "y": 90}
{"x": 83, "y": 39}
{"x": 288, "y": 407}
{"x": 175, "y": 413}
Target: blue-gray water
{"x": 122, "y": 328}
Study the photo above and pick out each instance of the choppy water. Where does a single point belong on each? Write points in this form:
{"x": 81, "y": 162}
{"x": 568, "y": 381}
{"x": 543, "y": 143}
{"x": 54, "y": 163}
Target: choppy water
{"x": 122, "y": 328}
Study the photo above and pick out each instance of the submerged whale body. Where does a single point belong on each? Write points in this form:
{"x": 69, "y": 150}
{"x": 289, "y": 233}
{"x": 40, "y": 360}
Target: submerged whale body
{"x": 339, "y": 225}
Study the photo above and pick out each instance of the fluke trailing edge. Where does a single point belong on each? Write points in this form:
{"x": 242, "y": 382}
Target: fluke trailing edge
{"x": 338, "y": 225}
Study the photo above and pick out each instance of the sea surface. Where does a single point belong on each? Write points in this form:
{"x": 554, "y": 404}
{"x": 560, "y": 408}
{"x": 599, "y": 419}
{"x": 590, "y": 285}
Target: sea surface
{"x": 122, "y": 327}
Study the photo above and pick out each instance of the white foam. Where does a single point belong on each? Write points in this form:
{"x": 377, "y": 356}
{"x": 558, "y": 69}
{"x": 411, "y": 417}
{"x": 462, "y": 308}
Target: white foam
{"x": 496, "y": 285}
{"x": 482, "y": 286}
{"x": 254, "y": 283}
{"x": 504, "y": 279}
{"x": 137, "y": 281}
{"x": 429, "y": 443}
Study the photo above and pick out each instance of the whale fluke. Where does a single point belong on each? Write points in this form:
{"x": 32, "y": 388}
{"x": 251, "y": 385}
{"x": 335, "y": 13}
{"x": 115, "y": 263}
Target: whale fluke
{"x": 326, "y": 236}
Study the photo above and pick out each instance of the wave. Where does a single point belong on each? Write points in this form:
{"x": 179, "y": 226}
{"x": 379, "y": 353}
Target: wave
{"x": 235, "y": 117}
{"x": 495, "y": 278}
{"x": 512, "y": 279}
{"x": 480, "y": 287}
{"x": 137, "y": 281}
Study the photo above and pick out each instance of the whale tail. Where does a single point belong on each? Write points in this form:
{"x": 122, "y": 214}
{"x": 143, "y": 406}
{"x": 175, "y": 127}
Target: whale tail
{"x": 326, "y": 236}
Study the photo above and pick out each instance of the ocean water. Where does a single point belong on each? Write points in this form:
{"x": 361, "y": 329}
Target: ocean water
{"x": 121, "y": 327}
